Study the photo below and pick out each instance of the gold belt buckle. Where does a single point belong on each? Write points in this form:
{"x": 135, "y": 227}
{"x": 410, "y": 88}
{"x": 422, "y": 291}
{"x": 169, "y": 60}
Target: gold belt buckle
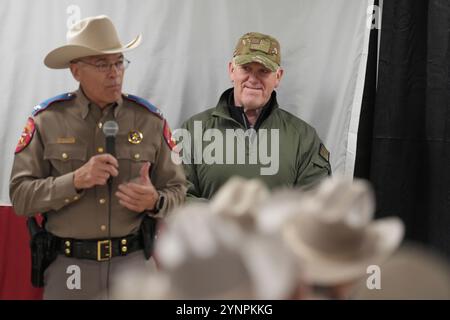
{"x": 104, "y": 250}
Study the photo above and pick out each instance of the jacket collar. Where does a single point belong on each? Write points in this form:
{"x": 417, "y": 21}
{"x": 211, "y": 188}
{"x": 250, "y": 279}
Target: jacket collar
{"x": 226, "y": 109}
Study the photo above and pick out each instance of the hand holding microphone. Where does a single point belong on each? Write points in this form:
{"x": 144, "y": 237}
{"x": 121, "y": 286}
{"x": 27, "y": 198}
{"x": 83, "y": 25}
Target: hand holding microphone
{"x": 100, "y": 168}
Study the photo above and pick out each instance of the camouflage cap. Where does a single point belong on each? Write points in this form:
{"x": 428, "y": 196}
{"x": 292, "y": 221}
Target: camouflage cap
{"x": 258, "y": 47}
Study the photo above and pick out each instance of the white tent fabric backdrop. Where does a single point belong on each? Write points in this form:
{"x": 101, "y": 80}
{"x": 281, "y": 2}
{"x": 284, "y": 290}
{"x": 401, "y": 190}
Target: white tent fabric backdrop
{"x": 181, "y": 67}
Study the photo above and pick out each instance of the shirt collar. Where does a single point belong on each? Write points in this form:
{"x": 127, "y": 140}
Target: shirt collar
{"x": 83, "y": 103}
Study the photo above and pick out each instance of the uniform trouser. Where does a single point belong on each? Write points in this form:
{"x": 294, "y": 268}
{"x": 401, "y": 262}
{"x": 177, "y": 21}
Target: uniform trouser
{"x": 70, "y": 278}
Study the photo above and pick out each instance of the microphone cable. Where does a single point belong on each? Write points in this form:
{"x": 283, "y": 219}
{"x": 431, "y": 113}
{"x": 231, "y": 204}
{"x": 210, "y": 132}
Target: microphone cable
{"x": 110, "y": 129}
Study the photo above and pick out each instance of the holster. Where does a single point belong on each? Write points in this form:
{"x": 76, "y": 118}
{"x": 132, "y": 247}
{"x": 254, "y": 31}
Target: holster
{"x": 43, "y": 251}
{"x": 148, "y": 232}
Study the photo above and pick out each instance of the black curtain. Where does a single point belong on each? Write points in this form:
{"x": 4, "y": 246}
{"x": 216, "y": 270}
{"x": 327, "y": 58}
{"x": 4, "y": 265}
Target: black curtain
{"x": 404, "y": 136}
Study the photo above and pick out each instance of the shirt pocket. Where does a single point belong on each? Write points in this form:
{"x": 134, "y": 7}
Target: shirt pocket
{"x": 65, "y": 158}
{"x": 131, "y": 159}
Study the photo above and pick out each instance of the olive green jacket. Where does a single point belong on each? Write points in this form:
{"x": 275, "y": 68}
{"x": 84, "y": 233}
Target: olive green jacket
{"x": 302, "y": 158}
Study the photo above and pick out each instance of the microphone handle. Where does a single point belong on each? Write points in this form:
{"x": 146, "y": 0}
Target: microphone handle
{"x": 111, "y": 149}
{"x": 111, "y": 145}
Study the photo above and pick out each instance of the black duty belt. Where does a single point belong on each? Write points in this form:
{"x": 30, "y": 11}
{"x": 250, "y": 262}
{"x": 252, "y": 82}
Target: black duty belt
{"x": 99, "y": 250}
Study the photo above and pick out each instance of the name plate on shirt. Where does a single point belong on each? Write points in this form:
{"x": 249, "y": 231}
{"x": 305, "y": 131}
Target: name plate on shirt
{"x": 66, "y": 140}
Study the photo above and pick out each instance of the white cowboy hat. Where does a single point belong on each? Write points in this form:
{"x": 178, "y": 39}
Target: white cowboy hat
{"x": 239, "y": 198}
{"x": 334, "y": 235}
{"x": 206, "y": 256}
{"x": 89, "y": 37}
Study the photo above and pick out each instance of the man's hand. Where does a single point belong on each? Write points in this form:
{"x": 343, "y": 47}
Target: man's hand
{"x": 96, "y": 171}
{"x": 140, "y": 195}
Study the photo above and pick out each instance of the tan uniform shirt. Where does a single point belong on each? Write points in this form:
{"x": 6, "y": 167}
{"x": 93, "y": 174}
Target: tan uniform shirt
{"x": 67, "y": 134}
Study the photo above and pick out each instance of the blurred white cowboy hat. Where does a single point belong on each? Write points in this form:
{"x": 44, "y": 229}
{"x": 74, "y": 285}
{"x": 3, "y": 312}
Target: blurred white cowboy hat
{"x": 334, "y": 234}
{"x": 239, "y": 200}
{"x": 206, "y": 256}
{"x": 89, "y": 37}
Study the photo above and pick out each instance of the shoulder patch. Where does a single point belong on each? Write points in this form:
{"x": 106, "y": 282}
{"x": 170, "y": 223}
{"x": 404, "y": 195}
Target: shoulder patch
{"x": 26, "y": 136}
{"x": 168, "y": 136}
{"x": 145, "y": 103}
{"x": 324, "y": 153}
{"x": 44, "y": 105}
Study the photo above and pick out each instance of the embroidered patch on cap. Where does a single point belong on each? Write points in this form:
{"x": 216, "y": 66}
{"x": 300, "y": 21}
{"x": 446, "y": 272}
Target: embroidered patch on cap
{"x": 26, "y": 136}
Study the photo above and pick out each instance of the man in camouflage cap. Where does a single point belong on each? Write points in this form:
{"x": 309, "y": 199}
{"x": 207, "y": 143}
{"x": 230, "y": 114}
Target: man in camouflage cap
{"x": 256, "y": 47}
{"x": 255, "y": 71}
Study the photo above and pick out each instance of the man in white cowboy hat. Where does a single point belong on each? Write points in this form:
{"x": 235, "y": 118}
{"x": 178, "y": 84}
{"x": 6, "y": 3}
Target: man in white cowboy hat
{"x": 99, "y": 197}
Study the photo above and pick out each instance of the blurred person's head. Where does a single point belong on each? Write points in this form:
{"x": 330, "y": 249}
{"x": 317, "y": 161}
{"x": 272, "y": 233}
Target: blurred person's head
{"x": 336, "y": 237}
{"x": 203, "y": 255}
{"x": 239, "y": 200}
{"x": 332, "y": 231}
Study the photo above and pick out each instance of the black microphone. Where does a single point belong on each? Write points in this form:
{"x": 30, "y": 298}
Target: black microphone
{"x": 110, "y": 129}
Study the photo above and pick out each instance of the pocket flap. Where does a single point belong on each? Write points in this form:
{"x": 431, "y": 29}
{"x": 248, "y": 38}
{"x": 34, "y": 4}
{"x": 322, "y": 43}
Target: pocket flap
{"x": 136, "y": 154}
{"x": 65, "y": 152}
